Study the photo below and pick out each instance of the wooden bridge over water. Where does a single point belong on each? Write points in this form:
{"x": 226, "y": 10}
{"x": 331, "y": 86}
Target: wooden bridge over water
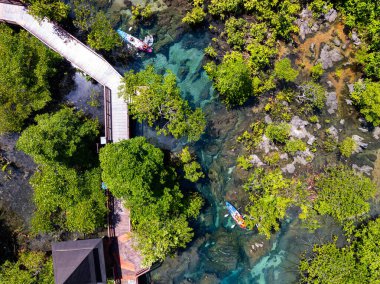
{"x": 116, "y": 114}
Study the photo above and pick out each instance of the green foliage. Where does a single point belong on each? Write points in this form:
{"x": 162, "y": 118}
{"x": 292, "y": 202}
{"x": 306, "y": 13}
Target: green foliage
{"x": 66, "y": 200}
{"x": 193, "y": 170}
{"x": 223, "y": 7}
{"x": 195, "y": 16}
{"x": 317, "y": 71}
{"x": 210, "y": 51}
{"x": 272, "y": 158}
{"x": 236, "y": 30}
{"x": 31, "y": 268}
{"x": 26, "y": 68}
{"x": 84, "y": 11}
{"x": 284, "y": 71}
{"x": 330, "y": 265}
{"x": 294, "y": 145}
{"x": 371, "y": 62}
{"x": 366, "y": 96}
{"x": 353, "y": 263}
{"x": 156, "y": 99}
{"x": 319, "y": 6}
{"x": 343, "y": 194}
{"x": 54, "y": 10}
{"x": 60, "y": 137}
{"x": 102, "y": 35}
{"x": 278, "y": 132}
{"x": 232, "y": 79}
{"x": 244, "y": 162}
{"x": 347, "y": 147}
{"x": 135, "y": 171}
{"x": 251, "y": 140}
{"x": 260, "y": 56}
{"x": 271, "y": 195}
{"x": 312, "y": 94}
{"x": 138, "y": 12}
{"x": 280, "y": 15}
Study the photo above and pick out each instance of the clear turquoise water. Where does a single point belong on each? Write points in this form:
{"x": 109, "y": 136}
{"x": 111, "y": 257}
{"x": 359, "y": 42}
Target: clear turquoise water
{"x": 222, "y": 252}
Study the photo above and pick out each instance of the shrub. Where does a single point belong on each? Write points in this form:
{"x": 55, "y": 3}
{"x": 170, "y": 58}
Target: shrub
{"x": 284, "y": 71}
{"x": 278, "y": 132}
{"x": 347, "y": 147}
{"x": 295, "y": 145}
{"x": 195, "y": 16}
{"x": 366, "y": 96}
{"x": 312, "y": 94}
{"x": 316, "y": 71}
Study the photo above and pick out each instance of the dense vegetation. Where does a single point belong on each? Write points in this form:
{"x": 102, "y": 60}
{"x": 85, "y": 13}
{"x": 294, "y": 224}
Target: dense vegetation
{"x": 67, "y": 192}
{"x": 30, "y": 268}
{"x": 27, "y": 67}
{"x": 156, "y": 99}
{"x": 135, "y": 171}
{"x": 355, "y": 262}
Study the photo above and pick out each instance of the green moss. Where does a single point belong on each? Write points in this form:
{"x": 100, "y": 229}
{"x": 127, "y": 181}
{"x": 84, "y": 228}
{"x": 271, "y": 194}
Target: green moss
{"x": 295, "y": 145}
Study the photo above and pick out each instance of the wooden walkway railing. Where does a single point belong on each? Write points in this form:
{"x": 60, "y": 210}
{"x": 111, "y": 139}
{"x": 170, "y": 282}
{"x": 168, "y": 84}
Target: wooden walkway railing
{"x": 108, "y": 114}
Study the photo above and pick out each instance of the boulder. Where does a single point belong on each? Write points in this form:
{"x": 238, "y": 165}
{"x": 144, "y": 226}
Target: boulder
{"x": 331, "y": 102}
{"x": 329, "y": 56}
{"x": 331, "y": 15}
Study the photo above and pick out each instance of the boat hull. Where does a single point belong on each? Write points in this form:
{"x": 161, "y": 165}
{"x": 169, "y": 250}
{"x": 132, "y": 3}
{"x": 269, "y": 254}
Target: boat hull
{"x": 236, "y": 215}
{"x": 134, "y": 41}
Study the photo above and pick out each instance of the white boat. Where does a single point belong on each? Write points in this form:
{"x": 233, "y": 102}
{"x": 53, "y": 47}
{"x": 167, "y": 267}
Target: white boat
{"x": 143, "y": 45}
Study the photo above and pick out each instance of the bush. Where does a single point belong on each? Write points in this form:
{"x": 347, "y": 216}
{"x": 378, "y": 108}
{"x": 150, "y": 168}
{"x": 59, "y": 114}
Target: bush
{"x": 221, "y": 7}
{"x": 295, "y": 145}
{"x": 284, "y": 71}
{"x": 278, "y": 132}
{"x": 232, "y": 79}
{"x": 195, "y": 16}
{"x": 344, "y": 194}
{"x": 192, "y": 169}
{"x": 312, "y": 94}
{"x": 347, "y": 147}
{"x": 366, "y": 96}
{"x": 316, "y": 71}
{"x": 236, "y": 31}
{"x": 102, "y": 35}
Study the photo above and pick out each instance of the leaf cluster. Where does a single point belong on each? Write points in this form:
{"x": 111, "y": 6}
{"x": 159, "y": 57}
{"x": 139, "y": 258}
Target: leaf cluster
{"x": 26, "y": 68}
{"x": 156, "y": 99}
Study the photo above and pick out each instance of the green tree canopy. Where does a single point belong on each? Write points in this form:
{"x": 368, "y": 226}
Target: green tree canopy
{"x": 156, "y": 99}
{"x": 102, "y": 35}
{"x": 366, "y": 96}
{"x": 271, "y": 194}
{"x": 354, "y": 263}
{"x": 62, "y": 137}
{"x": 232, "y": 79}
{"x": 31, "y": 268}
{"x": 135, "y": 171}
{"x": 66, "y": 200}
{"x": 283, "y": 70}
{"x": 343, "y": 194}
{"x": 55, "y": 10}
{"x": 26, "y": 67}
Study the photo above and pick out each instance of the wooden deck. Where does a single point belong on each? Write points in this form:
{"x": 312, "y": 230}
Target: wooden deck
{"x": 116, "y": 117}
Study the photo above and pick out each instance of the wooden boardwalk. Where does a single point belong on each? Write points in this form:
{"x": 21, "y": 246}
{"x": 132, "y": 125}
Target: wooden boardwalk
{"x": 80, "y": 55}
{"x": 116, "y": 115}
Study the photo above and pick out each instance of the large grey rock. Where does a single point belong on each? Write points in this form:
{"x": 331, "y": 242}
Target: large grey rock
{"x": 329, "y": 56}
{"x": 298, "y": 130}
{"x": 360, "y": 145}
{"x": 363, "y": 169}
{"x": 331, "y": 15}
{"x": 303, "y": 23}
{"x": 255, "y": 160}
{"x": 290, "y": 168}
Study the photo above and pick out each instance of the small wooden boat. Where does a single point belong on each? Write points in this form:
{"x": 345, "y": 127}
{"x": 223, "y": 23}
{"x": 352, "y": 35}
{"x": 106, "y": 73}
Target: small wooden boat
{"x": 236, "y": 215}
{"x": 143, "y": 45}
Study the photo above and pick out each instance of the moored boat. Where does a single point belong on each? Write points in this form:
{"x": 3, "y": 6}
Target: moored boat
{"x": 239, "y": 219}
{"x": 145, "y": 45}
